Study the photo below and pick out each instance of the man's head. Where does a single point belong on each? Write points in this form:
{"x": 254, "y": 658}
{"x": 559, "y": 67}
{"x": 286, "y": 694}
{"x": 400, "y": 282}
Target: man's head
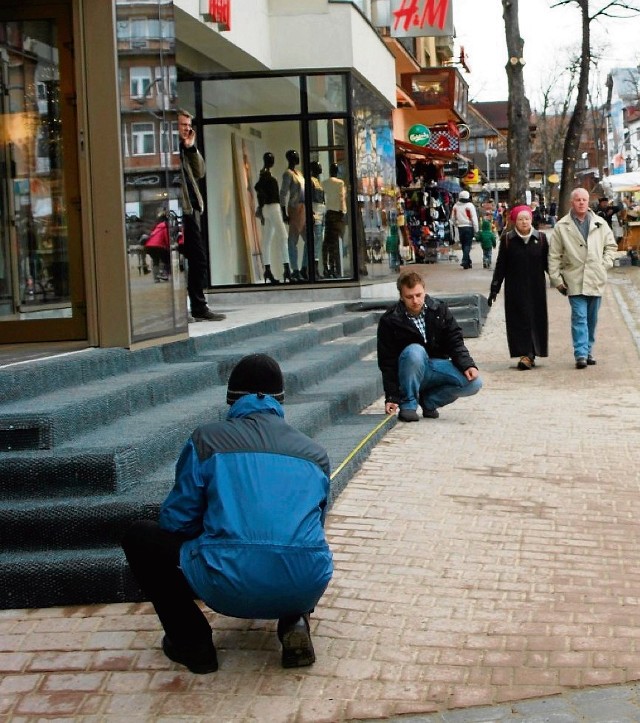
{"x": 185, "y": 127}
{"x": 464, "y": 196}
{"x": 255, "y": 374}
{"x": 412, "y": 292}
{"x": 580, "y": 202}
{"x": 603, "y": 202}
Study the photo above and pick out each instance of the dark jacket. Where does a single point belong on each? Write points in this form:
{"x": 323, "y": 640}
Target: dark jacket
{"x": 267, "y": 189}
{"x": 521, "y": 267}
{"x": 396, "y": 331}
{"x": 252, "y": 494}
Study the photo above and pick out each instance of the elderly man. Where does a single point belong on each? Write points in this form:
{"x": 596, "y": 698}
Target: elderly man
{"x": 581, "y": 249}
{"x": 242, "y": 528}
{"x": 421, "y": 354}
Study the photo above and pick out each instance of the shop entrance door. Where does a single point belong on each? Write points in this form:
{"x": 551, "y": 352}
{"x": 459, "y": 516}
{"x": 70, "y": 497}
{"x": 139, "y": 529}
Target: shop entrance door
{"x": 42, "y": 292}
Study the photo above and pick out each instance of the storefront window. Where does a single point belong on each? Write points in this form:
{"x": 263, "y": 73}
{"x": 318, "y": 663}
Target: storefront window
{"x": 327, "y": 93}
{"x": 147, "y": 73}
{"x": 229, "y": 98}
{"x": 375, "y": 176}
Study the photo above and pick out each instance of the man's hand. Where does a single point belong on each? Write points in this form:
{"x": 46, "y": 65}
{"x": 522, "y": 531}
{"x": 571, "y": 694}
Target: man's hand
{"x": 491, "y": 299}
{"x": 471, "y": 373}
{"x": 562, "y": 289}
{"x": 390, "y": 407}
{"x": 189, "y": 138}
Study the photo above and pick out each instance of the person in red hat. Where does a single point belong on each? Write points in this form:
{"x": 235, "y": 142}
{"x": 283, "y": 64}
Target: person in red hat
{"x": 521, "y": 266}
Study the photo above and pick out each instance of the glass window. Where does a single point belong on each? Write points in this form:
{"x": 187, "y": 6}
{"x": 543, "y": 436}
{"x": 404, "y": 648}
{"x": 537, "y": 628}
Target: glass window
{"x": 250, "y": 96}
{"x": 140, "y": 82}
{"x": 327, "y": 93}
{"x": 480, "y": 145}
{"x": 139, "y": 27}
{"x": 170, "y": 137}
{"x": 143, "y": 141}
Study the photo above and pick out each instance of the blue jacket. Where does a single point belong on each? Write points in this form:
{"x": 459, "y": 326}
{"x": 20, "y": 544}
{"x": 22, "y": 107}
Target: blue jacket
{"x": 251, "y": 493}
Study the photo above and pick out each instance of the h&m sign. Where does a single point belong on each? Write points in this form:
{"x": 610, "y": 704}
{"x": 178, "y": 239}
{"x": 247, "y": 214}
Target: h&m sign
{"x": 421, "y": 18}
{"x": 217, "y": 11}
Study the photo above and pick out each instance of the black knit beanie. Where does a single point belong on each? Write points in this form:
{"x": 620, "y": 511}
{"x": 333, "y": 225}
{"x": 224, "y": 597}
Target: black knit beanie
{"x": 255, "y": 374}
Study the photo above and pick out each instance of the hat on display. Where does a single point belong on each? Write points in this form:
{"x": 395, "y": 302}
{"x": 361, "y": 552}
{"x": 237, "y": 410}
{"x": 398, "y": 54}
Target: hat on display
{"x": 517, "y": 210}
{"x": 464, "y": 196}
{"x": 255, "y": 374}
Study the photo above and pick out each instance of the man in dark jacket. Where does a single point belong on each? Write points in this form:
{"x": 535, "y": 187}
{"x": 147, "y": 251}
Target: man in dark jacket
{"x": 243, "y": 527}
{"x": 421, "y": 354}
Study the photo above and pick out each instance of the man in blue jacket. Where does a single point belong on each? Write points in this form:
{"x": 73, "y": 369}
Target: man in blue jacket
{"x": 243, "y": 527}
{"x": 422, "y": 355}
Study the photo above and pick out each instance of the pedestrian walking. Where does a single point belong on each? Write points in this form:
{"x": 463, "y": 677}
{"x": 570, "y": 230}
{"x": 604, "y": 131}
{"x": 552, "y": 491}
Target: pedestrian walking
{"x": 521, "y": 265}
{"x": 487, "y": 239}
{"x": 465, "y": 222}
{"x": 581, "y": 250}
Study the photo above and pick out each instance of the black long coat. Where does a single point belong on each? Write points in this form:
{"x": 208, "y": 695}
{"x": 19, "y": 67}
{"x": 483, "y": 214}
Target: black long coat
{"x": 522, "y": 266}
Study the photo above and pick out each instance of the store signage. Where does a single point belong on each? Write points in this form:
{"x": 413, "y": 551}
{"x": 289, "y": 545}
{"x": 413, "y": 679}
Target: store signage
{"x": 419, "y": 135}
{"x": 217, "y": 11}
{"x": 472, "y": 177}
{"x": 421, "y": 18}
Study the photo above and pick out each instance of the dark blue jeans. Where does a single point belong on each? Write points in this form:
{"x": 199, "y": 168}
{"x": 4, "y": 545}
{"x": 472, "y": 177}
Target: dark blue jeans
{"x": 465, "y": 234}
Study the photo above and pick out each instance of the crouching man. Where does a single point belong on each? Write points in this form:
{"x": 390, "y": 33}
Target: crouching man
{"x": 422, "y": 355}
{"x": 242, "y": 529}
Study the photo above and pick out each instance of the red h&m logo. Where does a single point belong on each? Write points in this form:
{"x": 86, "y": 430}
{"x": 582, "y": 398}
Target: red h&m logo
{"x": 220, "y": 12}
{"x": 421, "y": 17}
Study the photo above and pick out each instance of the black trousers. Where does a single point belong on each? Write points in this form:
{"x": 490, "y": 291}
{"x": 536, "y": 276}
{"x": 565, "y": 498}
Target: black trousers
{"x": 196, "y": 255}
{"x": 333, "y": 231}
{"x": 153, "y": 555}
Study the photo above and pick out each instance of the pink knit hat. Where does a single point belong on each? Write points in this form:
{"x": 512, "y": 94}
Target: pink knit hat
{"x": 516, "y": 210}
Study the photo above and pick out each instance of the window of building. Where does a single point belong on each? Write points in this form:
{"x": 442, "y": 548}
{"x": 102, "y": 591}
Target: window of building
{"x": 139, "y": 82}
{"x": 143, "y": 141}
{"x": 481, "y": 145}
{"x": 231, "y": 97}
{"x": 170, "y": 137}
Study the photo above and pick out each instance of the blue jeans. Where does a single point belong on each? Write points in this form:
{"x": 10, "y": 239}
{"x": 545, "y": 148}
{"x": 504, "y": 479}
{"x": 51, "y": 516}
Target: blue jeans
{"x": 432, "y": 383}
{"x": 584, "y": 318}
{"x": 465, "y": 233}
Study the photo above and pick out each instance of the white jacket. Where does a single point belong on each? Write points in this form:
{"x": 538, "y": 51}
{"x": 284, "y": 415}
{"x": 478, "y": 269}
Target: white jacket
{"x": 464, "y": 213}
{"x": 581, "y": 266}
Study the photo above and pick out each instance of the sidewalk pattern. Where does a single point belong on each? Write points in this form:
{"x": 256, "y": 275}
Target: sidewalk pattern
{"x": 490, "y": 556}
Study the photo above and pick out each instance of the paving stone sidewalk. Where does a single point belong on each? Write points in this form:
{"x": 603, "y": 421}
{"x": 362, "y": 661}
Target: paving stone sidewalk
{"x": 487, "y": 558}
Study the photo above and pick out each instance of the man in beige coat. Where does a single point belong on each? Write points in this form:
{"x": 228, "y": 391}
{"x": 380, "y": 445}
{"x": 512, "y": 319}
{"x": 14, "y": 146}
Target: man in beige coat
{"x": 581, "y": 250}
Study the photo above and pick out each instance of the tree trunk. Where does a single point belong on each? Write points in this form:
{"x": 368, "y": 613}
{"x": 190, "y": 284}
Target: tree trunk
{"x": 519, "y": 110}
{"x": 576, "y": 124}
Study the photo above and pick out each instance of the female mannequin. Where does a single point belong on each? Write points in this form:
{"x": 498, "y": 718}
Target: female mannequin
{"x": 292, "y": 202}
{"x": 318, "y": 206}
{"x": 269, "y": 214}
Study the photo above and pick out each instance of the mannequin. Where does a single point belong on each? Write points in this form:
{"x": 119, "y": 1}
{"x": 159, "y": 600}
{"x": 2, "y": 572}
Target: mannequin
{"x": 292, "y": 202}
{"x": 318, "y": 206}
{"x": 336, "y": 199}
{"x": 271, "y": 219}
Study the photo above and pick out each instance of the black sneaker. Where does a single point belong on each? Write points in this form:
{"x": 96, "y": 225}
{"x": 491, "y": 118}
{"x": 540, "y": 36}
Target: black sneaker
{"x": 207, "y": 315}
{"x": 297, "y": 648}
{"x": 408, "y": 415}
{"x": 591, "y": 361}
{"x": 430, "y": 413}
{"x": 200, "y": 661}
{"x": 581, "y": 363}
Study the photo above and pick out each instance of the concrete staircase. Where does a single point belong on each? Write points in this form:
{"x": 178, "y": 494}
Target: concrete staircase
{"x": 89, "y": 440}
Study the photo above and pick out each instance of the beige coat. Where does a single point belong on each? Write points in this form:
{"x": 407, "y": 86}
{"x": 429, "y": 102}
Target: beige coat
{"x": 581, "y": 266}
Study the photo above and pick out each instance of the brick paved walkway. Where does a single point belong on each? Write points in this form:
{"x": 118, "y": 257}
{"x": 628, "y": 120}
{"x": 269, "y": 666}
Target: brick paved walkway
{"x": 489, "y": 556}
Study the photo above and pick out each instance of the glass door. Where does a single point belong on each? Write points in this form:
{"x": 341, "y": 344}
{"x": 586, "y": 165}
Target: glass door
{"x": 41, "y": 279}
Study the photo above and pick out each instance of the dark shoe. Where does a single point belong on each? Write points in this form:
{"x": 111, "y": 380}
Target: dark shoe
{"x": 525, "y": 363}
{"x": 303, "y": 274}
{"x": 581, "y": 363}
{"x": 207, "y": 315}
{"x": 430, "y": 413}
{"x": 591, "y": 361}
{"x": 200, "y": 661}
{"x": 269, "y": 277}
{"x": 408, "y": 415}
{"x": 297, "y": 648}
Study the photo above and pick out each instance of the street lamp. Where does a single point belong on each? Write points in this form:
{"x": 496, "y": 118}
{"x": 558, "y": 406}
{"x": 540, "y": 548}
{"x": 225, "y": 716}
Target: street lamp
{"x": 492, "y": 152}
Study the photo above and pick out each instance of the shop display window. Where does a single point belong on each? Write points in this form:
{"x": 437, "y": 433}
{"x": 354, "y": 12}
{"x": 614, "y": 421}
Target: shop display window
{"x": 245, "y": 97}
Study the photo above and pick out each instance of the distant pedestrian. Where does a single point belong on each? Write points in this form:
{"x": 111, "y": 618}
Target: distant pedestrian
{"x": 422, "y": 355}
{"x": 487, "y": 239}
{"x": 464, "y": 219}
{"x": 521, "y": 265}
{"x": 581, "y": 250}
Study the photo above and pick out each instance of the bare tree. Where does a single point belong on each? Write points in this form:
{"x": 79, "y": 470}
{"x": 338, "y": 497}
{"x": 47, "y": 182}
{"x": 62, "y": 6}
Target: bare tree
{"x": 519, "y": 111}
{"x": 611, "y": 9}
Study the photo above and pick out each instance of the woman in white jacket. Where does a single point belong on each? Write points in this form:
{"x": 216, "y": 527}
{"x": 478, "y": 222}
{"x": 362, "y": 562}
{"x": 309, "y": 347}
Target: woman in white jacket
{"x": 465, "y": 222}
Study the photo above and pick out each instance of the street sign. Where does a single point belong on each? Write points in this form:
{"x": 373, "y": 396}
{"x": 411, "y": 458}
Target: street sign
{"x": 557, "y": 166}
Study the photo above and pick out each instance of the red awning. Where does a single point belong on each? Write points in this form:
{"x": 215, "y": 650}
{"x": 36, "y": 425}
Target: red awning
{"x": 421, "y": 152}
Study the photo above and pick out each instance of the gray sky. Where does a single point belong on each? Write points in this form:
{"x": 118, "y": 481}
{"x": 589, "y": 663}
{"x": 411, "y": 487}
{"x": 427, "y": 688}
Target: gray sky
{"x": 546, "y": 33}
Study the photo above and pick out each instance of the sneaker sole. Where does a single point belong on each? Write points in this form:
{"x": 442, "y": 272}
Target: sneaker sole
{"x": 297, "y": 650}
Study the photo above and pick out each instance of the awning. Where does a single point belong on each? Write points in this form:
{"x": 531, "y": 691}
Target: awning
{"x": 428, "y": 153}
{"x": 619, "y": 182}
{"x": 448, "y": 185}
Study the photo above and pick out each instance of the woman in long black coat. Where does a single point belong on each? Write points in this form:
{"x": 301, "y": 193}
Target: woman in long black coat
{"x": 521, "y": 265}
